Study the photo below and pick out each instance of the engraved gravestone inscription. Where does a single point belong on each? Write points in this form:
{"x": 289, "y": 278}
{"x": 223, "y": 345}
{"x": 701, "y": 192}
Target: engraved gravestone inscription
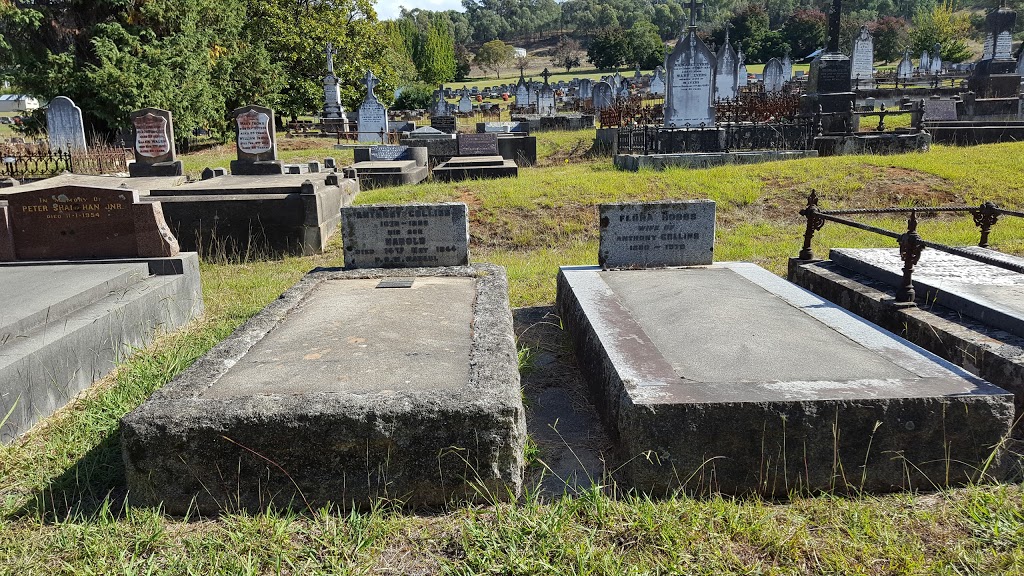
{"x": 406, "y": 236}
{"x": 673, "y": 233}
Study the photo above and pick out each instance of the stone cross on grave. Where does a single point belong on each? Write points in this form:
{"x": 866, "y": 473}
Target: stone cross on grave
{"x": 331, "y": 51}
{"x": 694, "y": 7}
{"x": 371, "y": 82}
{"x": 545, "y": 74}
{"x": 833, "y": 26}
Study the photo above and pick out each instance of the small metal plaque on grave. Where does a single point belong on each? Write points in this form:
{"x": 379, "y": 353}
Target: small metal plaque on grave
{"x": 396, "y": 283}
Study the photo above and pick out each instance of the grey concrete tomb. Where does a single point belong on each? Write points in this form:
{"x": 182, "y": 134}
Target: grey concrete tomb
{"x": 726, "y": 378}
{"x": 351, "y": 387}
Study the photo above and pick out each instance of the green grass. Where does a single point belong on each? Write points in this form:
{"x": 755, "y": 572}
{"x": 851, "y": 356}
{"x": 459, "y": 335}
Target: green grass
{"x": 290, "y": 150}
{"x": 62, "y": 485}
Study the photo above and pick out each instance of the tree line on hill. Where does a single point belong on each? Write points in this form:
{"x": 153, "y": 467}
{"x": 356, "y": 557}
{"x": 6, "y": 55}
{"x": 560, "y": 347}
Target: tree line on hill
{"x": 202, "y": 58}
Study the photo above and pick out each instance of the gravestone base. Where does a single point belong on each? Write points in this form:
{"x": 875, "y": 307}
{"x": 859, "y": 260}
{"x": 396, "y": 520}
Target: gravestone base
{"x": 873, "y": 143}
{"x": 972, "y": 133}
{"x": 383, "y": 173}
{"x": 255, "y": 214}
{"x": 727, "y": 379}
{"x": 294, "y": 409}
{"x": 982, "y": 349}
{"x": 678, "y": 140}
{"x": 475, "y": 168}
{"x": 259, "y": 168}
{"x": 519, "y": 148}
{"x": 841, "y": 102}
{"x": 637, "y": 162}
{"x": 139, "y": 169}
{"x": 65, "y": 325}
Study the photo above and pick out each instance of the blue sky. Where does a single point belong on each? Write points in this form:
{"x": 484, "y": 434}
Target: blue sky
{"x": 387, "y": 9}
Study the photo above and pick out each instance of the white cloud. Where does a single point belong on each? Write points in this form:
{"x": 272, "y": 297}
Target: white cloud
{"x": 389, "y": 9}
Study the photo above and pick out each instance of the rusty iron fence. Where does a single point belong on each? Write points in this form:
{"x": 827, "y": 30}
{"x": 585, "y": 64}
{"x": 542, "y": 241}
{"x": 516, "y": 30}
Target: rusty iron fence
{"x": 910, "y": 243}
{"x": 22, "y": 162}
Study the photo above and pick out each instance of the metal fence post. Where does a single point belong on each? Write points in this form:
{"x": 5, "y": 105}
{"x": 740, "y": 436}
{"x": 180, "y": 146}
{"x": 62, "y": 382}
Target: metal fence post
{"x": 910, "y": 252}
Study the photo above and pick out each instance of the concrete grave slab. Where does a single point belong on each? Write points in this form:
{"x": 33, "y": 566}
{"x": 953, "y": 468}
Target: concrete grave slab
{"x": 475, "y": 168}
{"x": 64, "y": 325}
{"x": 991, "y": 295}
{"x": 728, "y": 379}
{"x": 294, "y": 409}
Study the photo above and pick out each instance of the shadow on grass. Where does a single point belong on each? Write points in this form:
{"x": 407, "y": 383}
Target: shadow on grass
{"x": 94, "y": 486}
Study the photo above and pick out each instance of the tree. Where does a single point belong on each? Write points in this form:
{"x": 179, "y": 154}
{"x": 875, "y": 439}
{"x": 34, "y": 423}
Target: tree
{"x": 805, "y": 31}
{"x": 890, "y": 36}
{"x": 608, "y": 49}
{"x": 566, "y": 54}
{"x": 463, "y": 62}
{"x": 644, "y": 47}
{"x": 945, "y": 26}
{"x": 414, "y": 97}
{"x": 114, "y": 57}
{"x": 436, "y": 60}
{"x": 494, "y": 56}
{"x": 522, "y": 62}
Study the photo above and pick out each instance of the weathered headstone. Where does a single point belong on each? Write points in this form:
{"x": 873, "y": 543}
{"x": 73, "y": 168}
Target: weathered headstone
{"x": 465, "y": 103}
{"x": 936, "y": 60}
{"x": 999, "y": 34}
{"x": 76, "y": 222}
{"x": 387, "y": 153}
{"x": 445, "y": 124}
{"x": 65, "y": 129}
{"x": 726, "y": 82}
{"x": 333, "y": 110}
{"x": 644, "y": 235}
{"x": 862, "y": 61}
{"x": 658, "y": 82}
{"x": 478, "y": 144}
{"x": 546, "y": 98}
{"x": 255, "y": 142}
{"x": 438, "y": 105}
{"x": 773, "y": 76}
{"x": 924, "y": 65}
{"x": 905, "y": 69}
{"x": 407, "y": 236}
{"x": 153, "y": 143}
{"x": 741, "y": 67}
{"x": 522, "y": 92}
{"x": 787, "y": 67}
{"x": 690, "y": 83}
{"x": 373, "y": 116}
{"x": 604, "y": 96}
{"x": 940, "y": 110}
{"x": 585, "y": 90}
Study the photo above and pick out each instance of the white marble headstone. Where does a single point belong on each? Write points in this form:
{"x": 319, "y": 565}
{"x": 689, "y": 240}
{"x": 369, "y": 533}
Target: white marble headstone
{"x": 373, "y": 116}
{"x": 862, "y": 60}
{"x": 773, "y": 76}
{"x": 690, "y": 84}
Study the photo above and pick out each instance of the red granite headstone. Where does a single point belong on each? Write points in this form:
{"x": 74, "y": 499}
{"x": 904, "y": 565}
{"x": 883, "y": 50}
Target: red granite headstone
{"x": 75, "y": 222}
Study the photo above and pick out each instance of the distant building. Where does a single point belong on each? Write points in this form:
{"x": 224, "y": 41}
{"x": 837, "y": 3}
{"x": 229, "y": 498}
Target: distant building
{"x": 520, "y": 52}
{"x": 17, "y": 103}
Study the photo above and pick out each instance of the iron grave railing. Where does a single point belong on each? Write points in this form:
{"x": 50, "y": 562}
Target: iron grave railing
{"x": 910, "y": 242}
{"x": 23, "y": 162}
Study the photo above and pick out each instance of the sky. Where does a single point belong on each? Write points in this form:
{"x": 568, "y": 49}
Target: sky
{"x": 388, "y": 9}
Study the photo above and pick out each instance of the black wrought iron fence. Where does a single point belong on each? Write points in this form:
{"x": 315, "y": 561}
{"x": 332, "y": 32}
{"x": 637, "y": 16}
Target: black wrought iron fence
{"x": 34, "y": 162}
{"x": 910, "y": 242}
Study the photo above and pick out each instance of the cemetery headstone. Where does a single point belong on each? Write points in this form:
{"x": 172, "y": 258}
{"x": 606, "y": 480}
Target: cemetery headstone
{"x": 924, "y": 65}
{"x": 333, "y": 109}
{"x": 478, "y": 144}
{"x": 65, "y": 129}
{"x": 741, "y": 67}
{"x": 787, "y": 67}
{"x": 690, "y": 80}
{"x": 82, "y": 222}
{"x": 936, "y": 60}
{"x": 862, "y": 61}
{"x": 465, "y": 103}
{"x": 603, "y": 96}
{"x": 644, "y": 235}
{"x": 905, "y": 69}
{"x": 585, "y": 89}
{"x": 940, "y": 110}
{"x": 658, "y": 82}
{"x": 773, "y": 76}
{"x": 153, "y": 144}
{"x": 373, "y": 116}
{"x": 726, "y": 82}
{"x": 255, "y": 142}
{"x": 445, "y": 124}
{"x": 387, "y": 153}
{"x": 407, "y": 236}
{"x": 438, "y": 105}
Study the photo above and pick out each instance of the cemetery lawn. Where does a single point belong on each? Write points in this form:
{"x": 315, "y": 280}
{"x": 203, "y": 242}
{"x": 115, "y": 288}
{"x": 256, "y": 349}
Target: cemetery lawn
{"x": 62, "y": 485}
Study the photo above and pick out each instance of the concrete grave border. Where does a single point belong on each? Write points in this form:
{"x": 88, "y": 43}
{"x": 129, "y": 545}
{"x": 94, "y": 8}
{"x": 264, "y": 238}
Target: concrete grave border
{"x": 176, "y": 453}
